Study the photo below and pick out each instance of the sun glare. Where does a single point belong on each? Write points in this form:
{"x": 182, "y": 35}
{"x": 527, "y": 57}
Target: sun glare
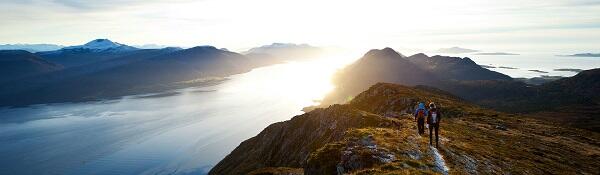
{"x": 301, "y": 82}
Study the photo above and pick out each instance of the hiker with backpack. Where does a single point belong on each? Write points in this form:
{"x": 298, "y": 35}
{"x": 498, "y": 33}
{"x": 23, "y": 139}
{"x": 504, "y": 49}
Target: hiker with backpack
{"x": 433, "y": 120}
{"x": 420, "y": 114}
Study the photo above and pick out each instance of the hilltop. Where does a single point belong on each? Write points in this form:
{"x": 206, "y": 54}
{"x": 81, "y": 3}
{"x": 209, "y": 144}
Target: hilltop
{"x": 375, "y": 134}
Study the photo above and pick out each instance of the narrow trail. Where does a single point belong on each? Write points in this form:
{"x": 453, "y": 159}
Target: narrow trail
{"x": 440, "y": 164}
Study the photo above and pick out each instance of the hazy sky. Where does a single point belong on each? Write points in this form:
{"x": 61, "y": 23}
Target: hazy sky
{"x": 507, "y": 25}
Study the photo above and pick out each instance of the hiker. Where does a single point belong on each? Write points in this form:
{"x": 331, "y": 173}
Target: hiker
{"x": 433, "y": 120}
{"x": 420, "y": 114}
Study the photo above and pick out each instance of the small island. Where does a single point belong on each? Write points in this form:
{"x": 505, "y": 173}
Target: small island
{"x": 569, "y": 70}
{"x": 487, "y": 66}
{"x": 495, "y": 53}
{"x": 582, "y": 55}
{"x": 506, "y": 67}
{"x": 538, "y": 71}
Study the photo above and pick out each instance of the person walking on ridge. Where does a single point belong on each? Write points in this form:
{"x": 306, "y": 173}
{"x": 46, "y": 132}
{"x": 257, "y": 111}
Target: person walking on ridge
{"x": 433, "y": 120}
{"x": 420, "y": 114}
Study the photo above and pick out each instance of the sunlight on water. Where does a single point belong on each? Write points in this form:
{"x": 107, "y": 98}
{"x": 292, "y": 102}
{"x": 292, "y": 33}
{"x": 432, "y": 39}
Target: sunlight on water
{"x": 178, "y": 132}
{"x": 304, "y": 82}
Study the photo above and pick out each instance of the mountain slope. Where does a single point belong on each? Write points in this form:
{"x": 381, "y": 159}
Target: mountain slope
{"x": 41, "y": 80}
{"x": 373, "y": 134}
{"x": 455, "y": 68}
{"x": 387, "y": 65}
{"x": 16, "y": 64}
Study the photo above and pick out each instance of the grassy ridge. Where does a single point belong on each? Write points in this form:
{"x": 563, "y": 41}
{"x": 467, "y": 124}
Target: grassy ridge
{"x": 376, "y": 134}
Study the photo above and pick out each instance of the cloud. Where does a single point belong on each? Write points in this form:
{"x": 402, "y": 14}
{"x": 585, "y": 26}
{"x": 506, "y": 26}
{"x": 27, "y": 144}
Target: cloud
{"x": 88, "y": 4}
{"x": 105, "y": 4}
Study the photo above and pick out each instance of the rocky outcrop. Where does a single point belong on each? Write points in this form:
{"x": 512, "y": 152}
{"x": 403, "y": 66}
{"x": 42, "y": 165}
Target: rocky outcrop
{"x": 289, "y": 143}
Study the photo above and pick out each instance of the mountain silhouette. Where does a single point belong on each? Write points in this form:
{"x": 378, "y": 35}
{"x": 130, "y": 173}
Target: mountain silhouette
{"x": 387, "y": 65}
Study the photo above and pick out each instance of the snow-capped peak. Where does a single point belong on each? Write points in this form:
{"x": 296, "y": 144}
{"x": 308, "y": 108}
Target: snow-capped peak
{"x": 102, "y": 44}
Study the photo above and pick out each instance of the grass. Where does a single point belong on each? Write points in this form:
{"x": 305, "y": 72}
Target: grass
{"x": 474, "y": 140}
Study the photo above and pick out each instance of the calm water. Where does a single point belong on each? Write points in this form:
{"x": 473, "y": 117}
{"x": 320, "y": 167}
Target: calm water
{"x": 523, "y": 63}
{"x": 179, "y": 132}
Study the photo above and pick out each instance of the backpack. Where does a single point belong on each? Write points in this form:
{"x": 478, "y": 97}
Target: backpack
{"x": 434, "y": 116}
{"x": 420, "y": 113}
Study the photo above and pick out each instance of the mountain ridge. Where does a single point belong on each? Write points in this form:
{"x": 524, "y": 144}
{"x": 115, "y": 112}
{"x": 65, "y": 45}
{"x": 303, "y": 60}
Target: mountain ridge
{"x": 375, "y": 133}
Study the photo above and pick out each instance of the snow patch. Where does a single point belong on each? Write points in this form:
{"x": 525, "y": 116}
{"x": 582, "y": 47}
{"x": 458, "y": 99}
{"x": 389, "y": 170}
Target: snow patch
{"x": 440, "y": 164}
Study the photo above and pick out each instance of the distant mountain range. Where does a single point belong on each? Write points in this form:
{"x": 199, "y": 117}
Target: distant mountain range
{"x": 91, "y": 52}
{"x": 31, "y": 47}
{"x": 103, "y": 69}
{"x": 286, "y": 51}
{"x": 52, "y": 47}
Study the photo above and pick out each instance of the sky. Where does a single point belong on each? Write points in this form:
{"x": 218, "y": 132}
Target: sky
{"x": 555, "y": 26}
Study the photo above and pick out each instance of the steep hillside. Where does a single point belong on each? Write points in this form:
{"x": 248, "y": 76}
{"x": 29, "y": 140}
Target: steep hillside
{"x": 585, "y": 84}
{"x": 374, "y": 134}
{"x": 16, "y": 64}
